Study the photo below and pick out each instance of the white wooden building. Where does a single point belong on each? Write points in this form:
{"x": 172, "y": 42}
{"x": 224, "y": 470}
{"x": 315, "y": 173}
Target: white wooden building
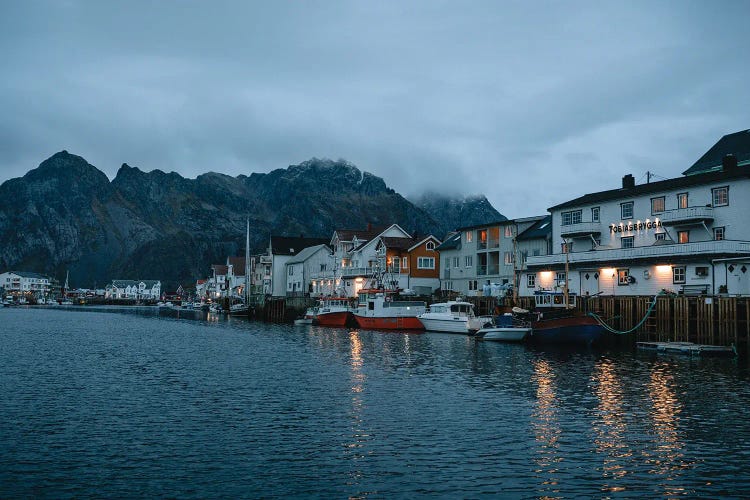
{"x": 133, "y": 289}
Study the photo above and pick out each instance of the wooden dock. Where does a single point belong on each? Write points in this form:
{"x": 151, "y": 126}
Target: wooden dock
{"x": 687, "y": 348}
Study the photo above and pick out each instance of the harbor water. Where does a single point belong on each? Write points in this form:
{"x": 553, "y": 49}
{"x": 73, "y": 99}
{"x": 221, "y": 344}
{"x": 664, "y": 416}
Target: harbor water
{"x": 141, "y": 403}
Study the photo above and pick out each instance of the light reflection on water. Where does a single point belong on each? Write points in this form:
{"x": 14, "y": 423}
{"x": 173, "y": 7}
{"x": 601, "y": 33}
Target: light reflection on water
{"x": 152, "y": 403}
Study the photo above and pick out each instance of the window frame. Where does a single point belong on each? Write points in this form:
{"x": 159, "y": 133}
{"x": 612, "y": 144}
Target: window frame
{"x": 660, "y": 236}
{"x": 713, "y": 196}
{"x": 430, "y": 245}
{"x": 722, "y": 230}
{"x": 597, "y": 211}
{"x": 569, "y": 219}
{"x": 531, "y": 280}
{"x": 679, "y": 270}
{"x": 680, "y": 197}
{"x": 631, "y": 239}
{"x": 469, "y": 236}
{"x": 421, "y": 263}
{"x": 468, "y": 261}
{"x": 687, "y": 237}
{"x": 624, "y": 204}
{"x": 663, "y": 200}
{"x": 623, "y": 276}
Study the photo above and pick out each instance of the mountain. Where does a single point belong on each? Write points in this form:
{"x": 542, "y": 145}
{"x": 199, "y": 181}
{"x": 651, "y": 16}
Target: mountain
{"x": 67, "y": 215}
{"x": 457, "y": 211}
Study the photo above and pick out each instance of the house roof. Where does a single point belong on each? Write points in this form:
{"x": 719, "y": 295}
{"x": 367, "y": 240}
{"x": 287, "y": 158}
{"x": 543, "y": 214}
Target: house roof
{"x": 395, "y": 243}
{"x": 499, "y": 222}
{"x": 452, "y": 242}
{"x": 200, "y": 282}
{"x": 656, "y": 187}
{"x": 237, "y": 263}
{"x": 418, "y": 241}
{"x": 28, "y": 274}
{"x": 308, "y": 252}
{"x": 540, "y": 229}
{"x": 737, "y": 144}
{"x": 126, "y": 283}
{"x": 220, "y": 269}
{"x": 361, "y": 234}
{"x": 288, "y": 245}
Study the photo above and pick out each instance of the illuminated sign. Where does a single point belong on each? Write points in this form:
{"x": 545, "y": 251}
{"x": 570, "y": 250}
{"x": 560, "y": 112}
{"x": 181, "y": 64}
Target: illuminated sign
{"x": 634, "y": 226}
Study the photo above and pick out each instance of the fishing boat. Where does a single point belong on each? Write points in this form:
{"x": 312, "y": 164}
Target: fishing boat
{"x": 454, "y": 316}
{"x": 506, "y": 328}
{"x": 555, "y": 320}
{"x": 380, "y": 307}
{"x": 333, "y": 311}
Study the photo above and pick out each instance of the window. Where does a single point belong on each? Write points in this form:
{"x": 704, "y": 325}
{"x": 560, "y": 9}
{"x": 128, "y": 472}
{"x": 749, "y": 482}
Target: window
{"x": 455, "y": 261}
{"x": 626, "y": 210}
{"x": 683, "y": 236}
{"x": 531, "y": 280}
{"x": 430, "y": 245}
{"x": 627, "y": 241}
{"x": 536, "y": 252}
{"x": 678, "y": 274}
{"x": 447, "y": 285}
{"x": 660, "y": 236}
{"x": 595, "y": 214}
{"x": 472, "y": 284}
{"x": 701, "y": 271}
{"x": 508, "y": 231}
{"x": 291, "y": 271}
{"x": 395, "y": 267}
{"x": 469, "y": 261}
{"x": 657, "y": 205}
{"x": 573, "y": 217}
{"x": 509, "y": 258}
{"x": 560, "y": 278}
{"x": 682, "y": 200}
{"x": 426, "y": 263}
{"x": 720, "y": 196}
{"x": 718, "y": 233}
{"x": 447, "y": 263}
{"x": 469, "y": 236}
{"x": 623, "y": 277}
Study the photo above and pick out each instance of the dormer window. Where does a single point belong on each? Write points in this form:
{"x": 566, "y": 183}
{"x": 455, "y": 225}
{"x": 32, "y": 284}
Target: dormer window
{"x": 430, "y": 245}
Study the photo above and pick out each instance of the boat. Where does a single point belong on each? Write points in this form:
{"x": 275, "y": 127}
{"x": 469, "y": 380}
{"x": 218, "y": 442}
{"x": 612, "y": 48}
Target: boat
{"x": 505, "y": 329}
{"x": 379, "y": 307}
{"x": 333, "y": 311}
{"x": 243, "y": 308}
{"x": 454, "y": 316}
{"x": 556, "y": 321}
{"x": 65, "y": 301}
{"x": 687, "y": 348}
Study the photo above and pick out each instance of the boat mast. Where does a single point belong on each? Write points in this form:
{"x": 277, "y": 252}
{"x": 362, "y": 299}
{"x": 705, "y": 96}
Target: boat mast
{"x": 514, "y": 229}
{"x": 247, "y": 263}
{"x": 567, "y": 269}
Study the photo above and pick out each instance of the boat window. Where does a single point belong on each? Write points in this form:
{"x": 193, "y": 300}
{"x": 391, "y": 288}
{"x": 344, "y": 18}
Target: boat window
{"x": 371, "y": 306}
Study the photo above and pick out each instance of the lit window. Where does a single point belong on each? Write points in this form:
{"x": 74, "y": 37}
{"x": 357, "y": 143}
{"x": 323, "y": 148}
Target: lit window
{"x": 623, "y": 277}
{"x": 720, "y": 196}
{"x": 678, "y": 274}
{"x": 469, "y": 236}
{"x": 560, "y": 277}
{"x": 657, "y": 205}
{"x": 627, "y": 241}
{"x": 405, "y": 263}
{"x": 595, "y": 214}
{"x": 531, "y": 280}
{"x": 508, "y": 231}
{"x": 682, "y": 200}
{"x": 508, "y": 258}
{"x": 718, "y": 233}
{"x": 626, "y": 210}
{"x": 683, "y": 236}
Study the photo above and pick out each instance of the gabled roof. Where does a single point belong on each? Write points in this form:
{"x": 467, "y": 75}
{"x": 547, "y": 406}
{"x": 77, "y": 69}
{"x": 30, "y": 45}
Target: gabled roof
{"x": 28, "y": 274}
{"x": 290, "y": 245}
{"x": 500, "y": 222}
{"x": 540, "y": 229}
{"x": 308, "y": 252}
{"x": 452, "y": 242}
{"x": 220, "y": 269}
{"x": 375, "y": 237}
{"x": 419, "y": 242}
{"x": 395, "y": 243}
{"x": 237, "y": 263}
{"x": 127, "y": 283}
{"x": 655, "y": 187}
{"x": 737, "y": 144}
{"x": 361, "y": 234}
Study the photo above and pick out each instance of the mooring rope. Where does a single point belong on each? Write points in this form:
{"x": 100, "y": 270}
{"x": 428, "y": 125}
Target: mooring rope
{"x": 623, "y": 332}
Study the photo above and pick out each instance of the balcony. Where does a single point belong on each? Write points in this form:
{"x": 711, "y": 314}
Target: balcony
{"x": 580, "y": 229}
{"x": 687, "y": 216}
{"x": 713, "y": 249}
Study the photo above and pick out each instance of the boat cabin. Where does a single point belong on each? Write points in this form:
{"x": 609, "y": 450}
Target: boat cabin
{"x": 553, "y": 299}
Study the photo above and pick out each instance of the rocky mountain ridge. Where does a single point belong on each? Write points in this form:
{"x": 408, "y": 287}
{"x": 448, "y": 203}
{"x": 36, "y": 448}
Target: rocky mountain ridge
{"x": 67, "y": 215}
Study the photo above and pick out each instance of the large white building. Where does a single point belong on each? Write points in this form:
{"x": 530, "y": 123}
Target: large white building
{"x": 684, "y": 235}
{"x": 25, "y": 283}
{"x": 133, "y": 289}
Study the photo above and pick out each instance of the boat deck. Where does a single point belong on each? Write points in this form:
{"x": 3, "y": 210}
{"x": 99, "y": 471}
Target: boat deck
{"x": 687, "y": 348}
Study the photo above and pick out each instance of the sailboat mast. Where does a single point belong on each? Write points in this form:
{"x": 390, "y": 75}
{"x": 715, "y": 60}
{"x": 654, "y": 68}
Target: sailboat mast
{"x": 247, "y": 263}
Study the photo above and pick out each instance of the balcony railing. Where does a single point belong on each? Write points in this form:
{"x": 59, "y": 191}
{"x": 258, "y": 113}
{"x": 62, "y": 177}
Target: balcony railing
{"x": 481, "y": 270}
{"x": 482, "y": 245}
{"x": 662, "y": 252}
{"x": 493, "y": 243}
{"x": 580, "y": 229}
{"x": 690, "y": 215}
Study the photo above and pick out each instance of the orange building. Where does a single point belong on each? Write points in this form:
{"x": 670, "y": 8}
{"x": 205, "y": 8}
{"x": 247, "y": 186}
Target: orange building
{"x": 413, "y": 262}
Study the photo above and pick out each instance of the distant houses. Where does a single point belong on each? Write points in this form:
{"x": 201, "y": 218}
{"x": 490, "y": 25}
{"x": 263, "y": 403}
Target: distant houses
{"x": 133, "y": 289}
{"x": 24, "y": 283}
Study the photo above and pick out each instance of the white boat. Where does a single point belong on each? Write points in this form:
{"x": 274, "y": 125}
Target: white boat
{"x": 507, "y": 329}
{"x": 303, "y": 321}
{"x": 454, "y": 316}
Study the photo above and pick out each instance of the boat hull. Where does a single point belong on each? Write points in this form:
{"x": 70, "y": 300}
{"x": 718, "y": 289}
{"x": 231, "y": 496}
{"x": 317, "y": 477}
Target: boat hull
{"x": 389, "y": 323}
{"x": 581, "y": 330}
{"x": 445, "y": 326}
{"x": 333, "y": 319}
{"x": 504, "y": 334}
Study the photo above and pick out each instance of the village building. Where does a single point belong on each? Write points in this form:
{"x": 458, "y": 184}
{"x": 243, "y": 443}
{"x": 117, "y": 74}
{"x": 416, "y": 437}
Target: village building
{"x": 412, "y": 263}
{"x": 683, "y": 235}
{"x": 133, "y": 289}
{"x": 484, "y": 259}
{"x": 19, "y": 283}
{"x": 301, "y": 267}
{"x": 235, "y": 277}
{"x": 273, "y": 263}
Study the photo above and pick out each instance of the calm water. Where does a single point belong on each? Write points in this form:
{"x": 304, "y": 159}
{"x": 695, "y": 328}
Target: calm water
{"x": 113, "y": 404}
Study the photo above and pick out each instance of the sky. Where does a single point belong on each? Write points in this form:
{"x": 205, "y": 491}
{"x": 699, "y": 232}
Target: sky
{"x": 531, "y": 103}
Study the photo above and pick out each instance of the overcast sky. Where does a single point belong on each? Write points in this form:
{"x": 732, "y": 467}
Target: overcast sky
{"x": 529, "y": 103}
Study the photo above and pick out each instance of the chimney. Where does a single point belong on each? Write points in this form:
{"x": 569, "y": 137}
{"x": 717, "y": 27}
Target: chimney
{"x": 369, "y": 227}
{"x": 729, "y": 163}
{"x": 628, "y": 182}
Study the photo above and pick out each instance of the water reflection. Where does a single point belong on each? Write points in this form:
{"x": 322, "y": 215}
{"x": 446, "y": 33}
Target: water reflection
{"x": 667, "y": 459}
{"x": 609, "y": 425}
{"x": 355, "y": 448}
{"x": 546, "y": 427}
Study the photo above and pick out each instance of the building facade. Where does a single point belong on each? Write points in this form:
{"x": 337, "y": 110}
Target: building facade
{"x": 19, "y": 283}
{"x": 133, "y": 289}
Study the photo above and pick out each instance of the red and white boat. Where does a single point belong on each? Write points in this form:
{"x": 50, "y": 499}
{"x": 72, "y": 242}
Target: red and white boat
{"x": 333, "y": 311}
{"x": 378, "y": 309}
